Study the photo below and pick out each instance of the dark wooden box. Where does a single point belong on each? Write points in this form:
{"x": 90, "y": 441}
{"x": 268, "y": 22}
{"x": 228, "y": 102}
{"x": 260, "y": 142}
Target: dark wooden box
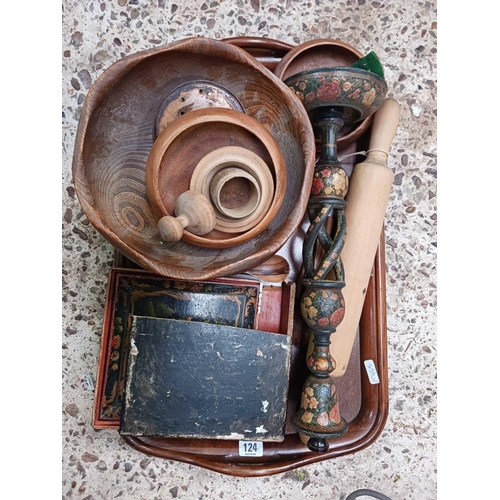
{"x": 193, "y": 379}
{"x": 131, "y": 291}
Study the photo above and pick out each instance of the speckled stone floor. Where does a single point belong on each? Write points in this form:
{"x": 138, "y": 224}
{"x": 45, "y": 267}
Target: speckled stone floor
{"x": 402, "y": 462}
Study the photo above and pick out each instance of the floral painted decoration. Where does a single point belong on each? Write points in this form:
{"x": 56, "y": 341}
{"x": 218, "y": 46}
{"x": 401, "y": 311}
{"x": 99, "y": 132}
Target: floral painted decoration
{"x": 341, "y": 86}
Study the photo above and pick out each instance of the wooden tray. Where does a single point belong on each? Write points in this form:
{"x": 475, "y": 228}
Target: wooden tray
{"x": 364, "y": 427}
{"x": 363, "y": 404}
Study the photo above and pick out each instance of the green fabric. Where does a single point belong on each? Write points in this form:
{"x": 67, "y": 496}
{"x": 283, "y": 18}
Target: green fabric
{"x": 370, "y": 62}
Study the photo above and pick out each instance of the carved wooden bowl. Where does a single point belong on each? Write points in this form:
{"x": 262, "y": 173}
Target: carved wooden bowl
{"x": 117, "y": 130}
{"x": 324, "y": 53}
{"x": 183, "y": 147}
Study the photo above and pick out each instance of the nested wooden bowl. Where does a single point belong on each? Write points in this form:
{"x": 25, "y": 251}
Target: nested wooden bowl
{"x": 240, "y": 185}
{"x": 182, "y": 148}
{"x": 117, "y": 130}
{"x": 324, "y": 53}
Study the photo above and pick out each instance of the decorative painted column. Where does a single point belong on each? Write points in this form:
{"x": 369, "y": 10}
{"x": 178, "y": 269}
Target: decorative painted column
{"x": 322, "y": 304}
{"x": 332, "y": 96}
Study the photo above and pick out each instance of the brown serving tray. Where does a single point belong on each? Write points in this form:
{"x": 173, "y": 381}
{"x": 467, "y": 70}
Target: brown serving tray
{"x": 364, "y": 428}
{"x": 363, "y": 404}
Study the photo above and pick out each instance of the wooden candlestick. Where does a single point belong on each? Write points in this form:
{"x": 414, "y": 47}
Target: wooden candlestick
{"x": 332, "y": 96}
{"x": 322, "y": 304}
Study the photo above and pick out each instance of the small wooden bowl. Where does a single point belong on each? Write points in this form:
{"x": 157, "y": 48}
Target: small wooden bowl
{"x": 324, "y": 53}
{"x": 117, "y": 130}
{"x": 236, "y": 193}
{"x": 206, "y": 176}
{"x": 181, "y": 147}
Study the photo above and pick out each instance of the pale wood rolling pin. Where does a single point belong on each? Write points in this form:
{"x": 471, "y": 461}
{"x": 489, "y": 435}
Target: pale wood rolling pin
{"x": 369, "y": 188}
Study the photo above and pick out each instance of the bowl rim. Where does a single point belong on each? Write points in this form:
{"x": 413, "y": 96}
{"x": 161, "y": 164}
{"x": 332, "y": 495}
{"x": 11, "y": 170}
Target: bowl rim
{"x": 336, "y": 69}
{"x": 285, "y": 62}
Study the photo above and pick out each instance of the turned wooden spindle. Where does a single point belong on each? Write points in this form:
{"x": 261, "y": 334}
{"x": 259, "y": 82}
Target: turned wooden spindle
{"x": 193, "y": 213}
{"x": 333, "y": 97}
{"x": 322, "y": 304}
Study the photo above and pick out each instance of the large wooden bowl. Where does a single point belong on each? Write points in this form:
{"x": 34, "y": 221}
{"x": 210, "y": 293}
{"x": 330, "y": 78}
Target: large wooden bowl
{"x": 117, "y": 130}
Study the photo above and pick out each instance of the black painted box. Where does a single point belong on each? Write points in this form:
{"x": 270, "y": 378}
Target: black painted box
{"x": 200, "y": 380}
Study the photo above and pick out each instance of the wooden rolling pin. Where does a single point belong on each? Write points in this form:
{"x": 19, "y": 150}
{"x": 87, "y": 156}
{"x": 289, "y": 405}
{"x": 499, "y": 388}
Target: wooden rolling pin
{"x": 369, "y": 188}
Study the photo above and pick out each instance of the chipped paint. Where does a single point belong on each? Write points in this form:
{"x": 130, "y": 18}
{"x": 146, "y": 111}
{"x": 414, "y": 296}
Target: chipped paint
{"x": 133, "y": 348}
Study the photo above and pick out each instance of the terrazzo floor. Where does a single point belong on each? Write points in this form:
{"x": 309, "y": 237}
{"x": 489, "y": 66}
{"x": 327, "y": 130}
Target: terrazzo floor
{"x": 402, "y": 462}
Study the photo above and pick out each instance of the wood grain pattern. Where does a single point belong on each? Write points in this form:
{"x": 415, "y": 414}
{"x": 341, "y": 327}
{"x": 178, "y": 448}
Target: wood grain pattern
{"x": 276, "y": 269}
{"x": 193, "y": 212}
{"x": 116, "y": 133}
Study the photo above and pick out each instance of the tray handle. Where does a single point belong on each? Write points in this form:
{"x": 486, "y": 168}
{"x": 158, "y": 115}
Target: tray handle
{"x": 268, "y": 44}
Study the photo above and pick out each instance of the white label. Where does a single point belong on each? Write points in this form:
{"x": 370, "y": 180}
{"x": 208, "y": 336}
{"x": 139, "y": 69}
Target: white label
{"x": 371, "y": 371}
{"x": 251, "y": 448}
{"x": 87, "y": 380}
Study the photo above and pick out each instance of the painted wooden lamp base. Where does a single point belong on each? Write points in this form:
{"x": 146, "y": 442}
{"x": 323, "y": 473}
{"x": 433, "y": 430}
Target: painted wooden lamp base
{"x": 329, "y": 96}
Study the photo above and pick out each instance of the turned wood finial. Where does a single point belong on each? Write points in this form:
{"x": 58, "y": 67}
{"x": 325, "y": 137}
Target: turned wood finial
{"x": 193, "y": 212}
